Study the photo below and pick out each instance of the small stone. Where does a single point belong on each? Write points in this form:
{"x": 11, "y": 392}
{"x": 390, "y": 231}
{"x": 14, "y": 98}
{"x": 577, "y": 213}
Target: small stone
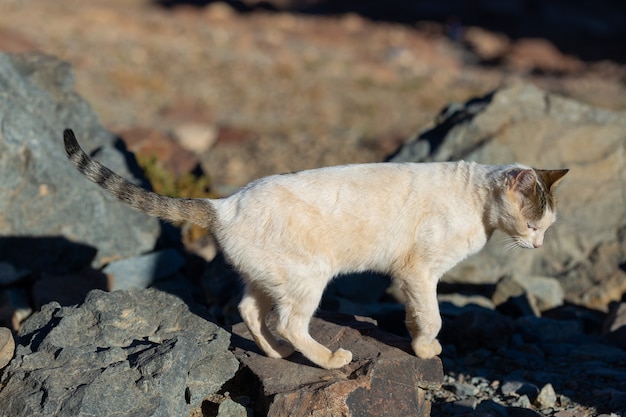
{"x": 464, "y": 405}
{"x": 522, "y": 402}
{"x": 194, "y": 137}
{"x": 7, "y": 346}
{"x": 230, "y": 408}
{"x": 519, "y": 388}
{"x": 546, "y": 397}
{"x": 462, "y": 389}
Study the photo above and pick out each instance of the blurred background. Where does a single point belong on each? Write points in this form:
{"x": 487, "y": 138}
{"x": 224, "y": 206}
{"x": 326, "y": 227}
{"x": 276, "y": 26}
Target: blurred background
{"x": 251, "y": 88}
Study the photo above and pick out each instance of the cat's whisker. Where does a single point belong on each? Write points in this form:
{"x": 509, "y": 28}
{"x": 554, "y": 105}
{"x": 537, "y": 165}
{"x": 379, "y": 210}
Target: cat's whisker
{"x": 510, "y": 243}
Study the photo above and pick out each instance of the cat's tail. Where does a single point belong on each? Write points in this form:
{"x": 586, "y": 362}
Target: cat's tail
{"x": 194, "y": 210}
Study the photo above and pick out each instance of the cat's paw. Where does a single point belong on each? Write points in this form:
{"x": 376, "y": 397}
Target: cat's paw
{"x": 339, "y": 358}
{"x": 426, "y": 350}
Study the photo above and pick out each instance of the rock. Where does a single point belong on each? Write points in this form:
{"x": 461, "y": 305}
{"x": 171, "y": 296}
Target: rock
{"x": 41, "y": 193}
{"x": 463, "y": 390}
{"x": 545, "y": 292}
{"x": 522, "y": 123}
{"x": 136, "y": 352}
{"x": 519, "y": 388}
{"x": 476, "y": 329}
{"x": 541, "y": 329}
{"x": 196, "y": 137}
{"x": 39, "y": 254}
{"x": 363, "y": 288}
{"x": 229, "y": 408}
{"x": 532, "y": 54}
{"x": 142, "y": 271}
{"x": 7, "y": 346}
{"x": 152, "y": 143}
{"x": 614, "y": 327}
{"x": 488, "y": 46}
{"x": 385, "y": 378}
{"x": 547, "y": 397}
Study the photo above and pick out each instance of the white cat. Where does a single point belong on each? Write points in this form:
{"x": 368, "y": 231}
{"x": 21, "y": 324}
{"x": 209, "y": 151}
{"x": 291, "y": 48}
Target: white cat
{"x": 289, "y": 235}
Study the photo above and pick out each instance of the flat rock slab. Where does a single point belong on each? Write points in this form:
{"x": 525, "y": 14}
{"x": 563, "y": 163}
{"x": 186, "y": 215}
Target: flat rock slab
{"x": 384, "y": 379}
{"x": 133, "y": 353}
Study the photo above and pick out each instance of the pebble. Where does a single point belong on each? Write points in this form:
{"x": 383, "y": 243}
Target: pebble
{"x": 7, "y": 346}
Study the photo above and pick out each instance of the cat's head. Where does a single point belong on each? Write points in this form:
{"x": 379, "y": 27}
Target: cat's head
{"x": 530, "y": 204}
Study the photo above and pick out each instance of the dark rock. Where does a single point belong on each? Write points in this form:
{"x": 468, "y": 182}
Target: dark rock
{"x": 479, "y": 329}
{"x": 9, "y": 274}
{"x": 139, "y": 353}
{"x": 521, "y": 123}
{"x": 519, "y": 388}
{"x": 68, "y": 289}
{"x": 614, "y": 327}
{"x": 385, "y": 378}
{"x": 41, "y": 193}
{"x": 363, "y": 288}
{"x": 520, "y": 305}
{"x": 490, "y": 409}
{"x": 597, "y": 351}
{"x": 540, "y": 329}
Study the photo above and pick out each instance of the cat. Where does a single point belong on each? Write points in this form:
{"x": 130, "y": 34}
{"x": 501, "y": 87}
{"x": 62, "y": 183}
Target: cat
{"x": 288, "y": 235}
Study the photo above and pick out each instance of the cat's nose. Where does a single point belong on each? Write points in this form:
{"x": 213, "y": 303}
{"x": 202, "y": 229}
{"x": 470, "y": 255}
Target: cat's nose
{"x": 537, "y": 244}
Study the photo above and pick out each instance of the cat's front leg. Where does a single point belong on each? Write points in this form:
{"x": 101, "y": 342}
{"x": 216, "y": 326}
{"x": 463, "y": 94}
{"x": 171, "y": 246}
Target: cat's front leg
{"x": 422, "y": 316}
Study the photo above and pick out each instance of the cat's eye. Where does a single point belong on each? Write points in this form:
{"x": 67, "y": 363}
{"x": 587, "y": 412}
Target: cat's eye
{"x": 532, "y": 227}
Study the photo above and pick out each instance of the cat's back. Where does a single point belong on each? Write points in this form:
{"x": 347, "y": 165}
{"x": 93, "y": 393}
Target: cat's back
{"x": 357, "y": 184}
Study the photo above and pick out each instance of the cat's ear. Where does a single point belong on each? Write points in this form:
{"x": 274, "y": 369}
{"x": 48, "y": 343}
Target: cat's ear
{"x": 521, "y": 180}
{"x": 551, "y": 176}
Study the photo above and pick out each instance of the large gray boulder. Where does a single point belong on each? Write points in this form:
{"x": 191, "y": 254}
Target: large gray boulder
{"x": 521, "y": 123}
{"x": 133, "y": 353}
{"x": 41, "y": 194}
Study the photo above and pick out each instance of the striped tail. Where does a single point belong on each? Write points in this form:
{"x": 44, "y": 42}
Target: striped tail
{"x": 197, "y": 211}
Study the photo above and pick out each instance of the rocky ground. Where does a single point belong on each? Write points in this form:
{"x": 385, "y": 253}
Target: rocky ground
{"x": 245, "y": 95}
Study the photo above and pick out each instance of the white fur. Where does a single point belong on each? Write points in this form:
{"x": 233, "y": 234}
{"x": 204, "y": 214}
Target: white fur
{"x": 289, "y": 235}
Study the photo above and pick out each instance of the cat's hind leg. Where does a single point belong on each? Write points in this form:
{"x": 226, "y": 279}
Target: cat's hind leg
{"x": 253, "y": 308}
{"x": 294, "y": 319}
